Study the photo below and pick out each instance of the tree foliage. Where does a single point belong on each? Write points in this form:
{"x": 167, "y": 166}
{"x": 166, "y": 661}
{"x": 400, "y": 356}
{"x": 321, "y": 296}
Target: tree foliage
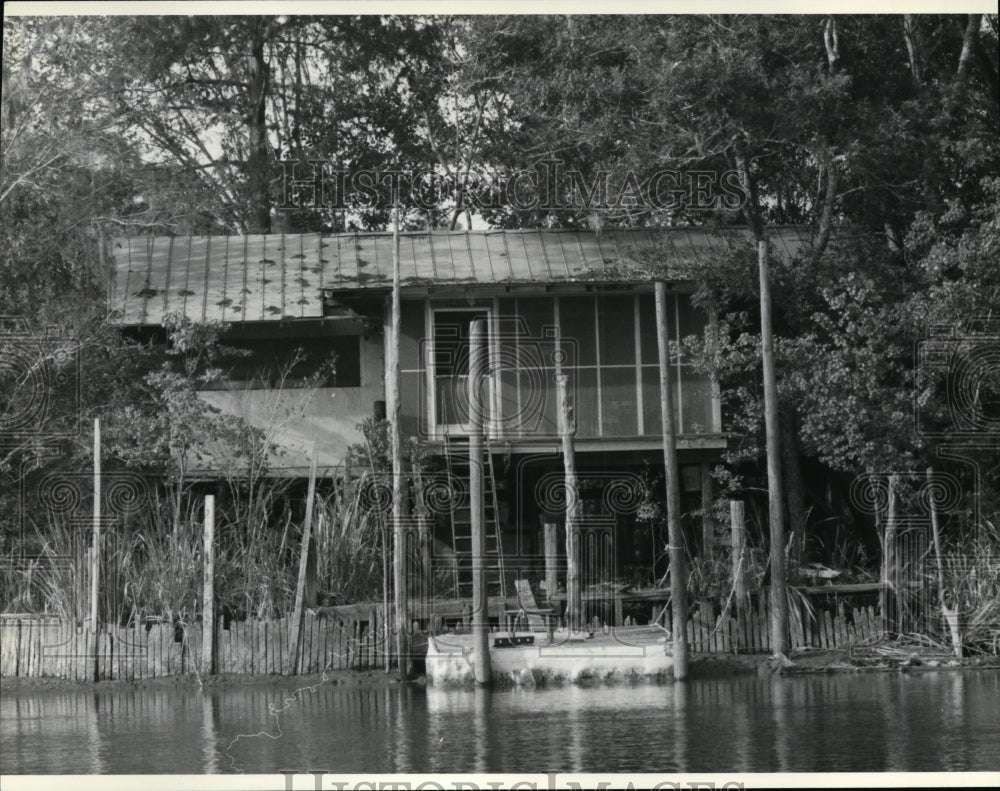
{"x": 877, "y": 133}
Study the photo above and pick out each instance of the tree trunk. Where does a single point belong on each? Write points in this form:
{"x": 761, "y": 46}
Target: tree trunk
{"x": 826, "y": 200}
{"x": 911, "y": 36}
{"x": 259, "y": 220}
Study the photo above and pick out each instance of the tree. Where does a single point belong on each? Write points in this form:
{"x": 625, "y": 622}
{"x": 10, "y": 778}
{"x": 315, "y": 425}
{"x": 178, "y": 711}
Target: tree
{"x": 827, "y": 122}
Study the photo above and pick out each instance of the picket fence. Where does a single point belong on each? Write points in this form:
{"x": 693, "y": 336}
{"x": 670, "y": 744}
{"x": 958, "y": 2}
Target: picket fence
{"x": 38, "y": 647}
{"x": 748, "y": 630}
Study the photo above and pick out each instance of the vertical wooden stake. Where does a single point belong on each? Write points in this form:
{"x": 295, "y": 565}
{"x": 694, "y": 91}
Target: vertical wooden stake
{"x": 426, "y": 564}
{"x": 739, "y": 544}
{"x": 890, "y": 609}
{"x": 551, "y": 560}
{"x": 775, "y": 498}
{"x": 208, "y": 591}
{"x": 567, "y": 427}
{"x": 95, "y": 557}
{"x": 678, "y": 573}
{"x": 424, "y": 540}
{"x": 477, "y": 501}
{"x": 707, "y": 522}
{"x": 295, "y": 628}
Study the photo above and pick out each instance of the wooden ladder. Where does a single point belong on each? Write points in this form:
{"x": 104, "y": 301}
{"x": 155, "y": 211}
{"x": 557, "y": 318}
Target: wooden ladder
{"x": 456, "y": 451}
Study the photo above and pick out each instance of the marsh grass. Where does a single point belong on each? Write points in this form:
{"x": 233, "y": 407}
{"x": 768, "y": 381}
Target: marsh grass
{"x": 972, "y": 589}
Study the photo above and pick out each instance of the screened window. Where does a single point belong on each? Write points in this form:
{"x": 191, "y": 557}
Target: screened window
{"x": 331, "y": 361}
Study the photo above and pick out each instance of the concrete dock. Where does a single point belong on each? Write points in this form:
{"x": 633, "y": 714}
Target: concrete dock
{"x": 531, "y": 658}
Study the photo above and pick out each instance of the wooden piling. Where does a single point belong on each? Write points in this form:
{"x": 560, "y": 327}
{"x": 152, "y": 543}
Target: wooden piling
{"x": 678, "y": 594}
{"x": 738, "y": 535}
{"x": 707, "y": 522}
{"x": 296, "y": 625}
{"x": 208, "y": 590}
{"x": 480, "y": 615}
{"x": 887, "y": 594}
{"x": 775, "y": 500}
{"x": 392, "y": 373}
{"x": 567, "y": 427}
{"x": 95, "y": 558}
{"x": 551, "y": 531}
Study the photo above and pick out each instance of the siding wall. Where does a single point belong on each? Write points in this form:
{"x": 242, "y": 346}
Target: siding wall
{"x": 297, "y": 418}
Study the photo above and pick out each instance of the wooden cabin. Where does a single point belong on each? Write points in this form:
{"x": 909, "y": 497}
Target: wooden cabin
{"x": 549, "y": 299}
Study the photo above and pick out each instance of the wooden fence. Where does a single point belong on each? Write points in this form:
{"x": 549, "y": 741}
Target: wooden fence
{"x": 748, "y": 631}
{"x": 34, "y": 647}
{"x": 351, "y": 639}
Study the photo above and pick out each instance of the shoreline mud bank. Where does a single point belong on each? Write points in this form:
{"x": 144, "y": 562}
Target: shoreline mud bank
{"x": 704, "y": 666}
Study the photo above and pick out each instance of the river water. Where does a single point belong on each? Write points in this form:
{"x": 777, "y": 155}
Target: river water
{"x": 926, "y": 721}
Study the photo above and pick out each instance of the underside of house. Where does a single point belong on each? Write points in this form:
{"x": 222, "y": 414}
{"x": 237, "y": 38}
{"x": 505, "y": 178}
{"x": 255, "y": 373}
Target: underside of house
{"x": 531, "y": 305}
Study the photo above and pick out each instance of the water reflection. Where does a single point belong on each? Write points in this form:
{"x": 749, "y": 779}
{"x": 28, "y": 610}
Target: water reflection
{"x": 681, "y": 729}
{"x": 209, "y": 735}
{"x": 871, "y": 722}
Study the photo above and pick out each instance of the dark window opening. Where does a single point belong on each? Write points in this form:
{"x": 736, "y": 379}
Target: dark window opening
{"x": 331, "y": 361}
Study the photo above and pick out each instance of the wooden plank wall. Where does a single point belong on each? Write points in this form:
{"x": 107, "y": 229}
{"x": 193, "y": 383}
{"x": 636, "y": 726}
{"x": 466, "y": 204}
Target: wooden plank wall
{"x": 747, "y": 632}
{"x": 47, "y": 647}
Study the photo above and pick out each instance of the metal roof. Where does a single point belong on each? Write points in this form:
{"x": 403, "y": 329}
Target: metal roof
{"x": 284, "y": 276}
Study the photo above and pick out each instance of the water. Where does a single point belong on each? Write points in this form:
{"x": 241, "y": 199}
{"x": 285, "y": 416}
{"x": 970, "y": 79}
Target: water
{"x": 928, "y": 721}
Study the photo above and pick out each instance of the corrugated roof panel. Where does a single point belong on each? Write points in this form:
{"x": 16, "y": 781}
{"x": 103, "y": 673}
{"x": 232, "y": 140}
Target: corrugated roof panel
{"x": 444, "y": 261}
{"x": 186, "y": 290}
{"x": 496, "y": 246}
{"x": 520, "y": 259}
{"x": 221, "y": 293}
{"x": 259, "y": 277}
{"x": 273, "y": 280}
{"x": 236, "y": 282}
{"x": 464, "y": 268}
{"x": 330, "y": 252}
{"x": 213, "y": 265}
{"x": 477, "y": 248}
{"x": 415, "y": 259}
{"x": 555, "y": 256}
{"x": 253, "y": 280}
{"x": 535, "y": 256}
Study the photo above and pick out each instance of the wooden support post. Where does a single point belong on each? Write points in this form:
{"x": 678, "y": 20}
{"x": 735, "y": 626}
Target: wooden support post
{"x": 295, "y": 628}
{"x": 567, "y": 427}
{"x": 477, "y": 501}
{"x": 739, "y": 544}
{"x": 775, "y": 499}
{"x": 95, "y": 556}
{"x": 677, "y": 566}
{"x": 401, "y": 618}
{"x": 424, "y": 542}
{"x": 208, "y": 590}
{"x": 707, "y": 522}
{"x": 426, "y": 564}
{"x": 889, "y": 603}
{"x": 551, "y": 559}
